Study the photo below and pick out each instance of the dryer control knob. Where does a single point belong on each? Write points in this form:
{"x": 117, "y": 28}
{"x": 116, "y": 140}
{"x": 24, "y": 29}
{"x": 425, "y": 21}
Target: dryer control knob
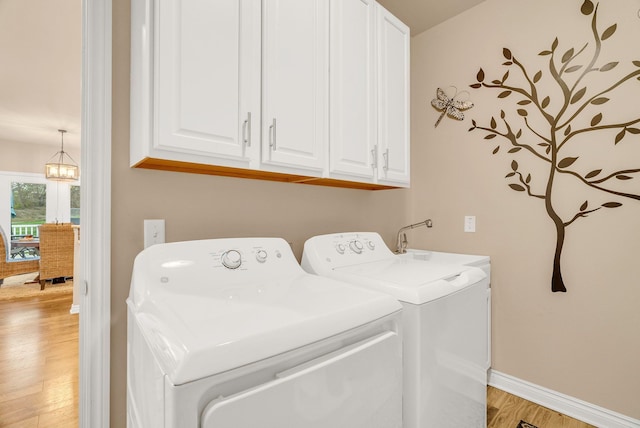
{"x": 340, "y": 248}
{"x": 371, "y": 245}
{"x": 231, "y": 259}
{"x": 356, "y": 246}
{"x": 261, "y": 256}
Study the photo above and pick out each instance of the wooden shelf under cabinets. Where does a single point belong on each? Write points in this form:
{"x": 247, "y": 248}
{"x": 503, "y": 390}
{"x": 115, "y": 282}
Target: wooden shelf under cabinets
{"x": 195, "y": 168}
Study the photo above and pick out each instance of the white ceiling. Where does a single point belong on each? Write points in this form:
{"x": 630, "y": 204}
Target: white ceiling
{"x": 420, "y": 15}
{"x": 40, "y": 46}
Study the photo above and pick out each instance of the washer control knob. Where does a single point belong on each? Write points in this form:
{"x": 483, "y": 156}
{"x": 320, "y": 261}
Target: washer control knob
{"x": 371, "y": 245}
{"x": 356, "y": 246}
{"x": 231, "y": 259}
{"x": 340, "y": 248}
{"x": 261, "y": 256}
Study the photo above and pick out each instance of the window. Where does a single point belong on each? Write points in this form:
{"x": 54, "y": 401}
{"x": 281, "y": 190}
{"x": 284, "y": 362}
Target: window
{"x": 75, "y": 204}
{"x": 28, "y": 208}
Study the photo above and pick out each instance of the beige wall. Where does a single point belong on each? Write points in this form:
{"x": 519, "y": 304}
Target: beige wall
{"x": 197, "y": 206}
{"x": 22, "y": 157}
{"x": 585, "y": 343}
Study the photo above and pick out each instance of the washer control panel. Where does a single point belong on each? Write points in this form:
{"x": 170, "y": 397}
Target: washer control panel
{"x": 342, "y": 249}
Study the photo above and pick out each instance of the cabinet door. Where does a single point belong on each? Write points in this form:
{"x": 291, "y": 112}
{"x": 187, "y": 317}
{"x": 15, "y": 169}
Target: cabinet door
{"x": 295, "y": 84}
{"x": 352, "y": 86}
{"x": 207, "y": 77}
{"x": 393, "y": 98}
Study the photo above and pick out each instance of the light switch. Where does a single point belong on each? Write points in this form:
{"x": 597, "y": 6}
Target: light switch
{"x": 470, "y": 223}
{"x": 153, "y": 232}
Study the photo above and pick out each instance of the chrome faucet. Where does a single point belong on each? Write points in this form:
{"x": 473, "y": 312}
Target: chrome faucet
{"x": 401, "y": 241}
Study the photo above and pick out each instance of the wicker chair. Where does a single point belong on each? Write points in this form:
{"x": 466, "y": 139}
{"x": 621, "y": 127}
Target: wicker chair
{"x": 56, "y": 251}
{"x": 9, "y": 266}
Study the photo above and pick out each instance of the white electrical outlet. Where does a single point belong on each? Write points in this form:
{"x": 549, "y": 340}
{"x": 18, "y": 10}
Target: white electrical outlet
{"x": 470, "y": 223}
{"x": 153, "y": 232}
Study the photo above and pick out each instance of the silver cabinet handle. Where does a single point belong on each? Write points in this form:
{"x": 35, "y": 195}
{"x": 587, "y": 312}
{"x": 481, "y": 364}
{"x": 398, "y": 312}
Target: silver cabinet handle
{"x": 246, "y": 130}
{"x": 386, "y": 160}
{"x": 374, "y": 157}
{"x": 272, "y": 135}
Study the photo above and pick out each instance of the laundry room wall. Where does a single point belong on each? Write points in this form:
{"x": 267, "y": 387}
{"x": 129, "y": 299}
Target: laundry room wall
{"x": 583, "y": 343}
{"x": 200, "y": 207}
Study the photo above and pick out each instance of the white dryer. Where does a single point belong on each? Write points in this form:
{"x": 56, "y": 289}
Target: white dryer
{"x": 232, "y": 333}
{"x": 446, "y": 321}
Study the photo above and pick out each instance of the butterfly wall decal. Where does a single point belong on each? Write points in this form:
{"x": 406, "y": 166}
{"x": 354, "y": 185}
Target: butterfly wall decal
{"x": 450, "y": 105}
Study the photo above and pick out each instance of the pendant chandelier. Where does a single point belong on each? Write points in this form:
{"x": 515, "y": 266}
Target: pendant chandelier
{"x": 57, "y": 169}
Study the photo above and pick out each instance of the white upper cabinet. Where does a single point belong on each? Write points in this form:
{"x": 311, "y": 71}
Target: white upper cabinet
{"x": 314, "y": 91}
{"x": 352, "y": 89}
{"x": 295, "y": 84}
{"x": 203, "y": 80}
{"x": 393, "y": 99}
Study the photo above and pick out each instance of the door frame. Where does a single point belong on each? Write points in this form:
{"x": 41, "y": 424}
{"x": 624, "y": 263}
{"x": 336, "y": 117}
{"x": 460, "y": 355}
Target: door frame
{"x": 95, "y": 195}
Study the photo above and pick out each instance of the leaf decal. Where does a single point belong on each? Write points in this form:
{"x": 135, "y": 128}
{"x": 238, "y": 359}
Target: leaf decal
{"x": 567, "y": 131}
{"x": 496, "y": 82}
{"x": 574, "y": 68}
{"x": 514, "y": 165}
{"x": 620, "y": 136}
{"x": 519, "y": 134}
{"x": 609, "y": 66}
{"x": 511, "y": 174}
{"x": 593, "y": 173}
{"x": 609, "y": 32}
{"x": 507, "y": 63}
{"x": 524, "y": 102}
{"x": 490, "y": 137}
{"x": 493, "y": 123}
{"x": 504, "y": 94}
{"x": 567, "y": 55}
{"x": 480, "y": 75}
{"x": 599, "y": 101}
{"x": 578, "y": 95}
{"x": 634, "y": 131}
{"x": 515, "y": 150}
{"x": 522, "y": 112}
{"x": 587, "y": 7}
{"x": 554, "y": 45}
{"x": 545, "y": 102}
{"x": 596, "y": 119}
{"x": 623, "y": 177}
{"x": 476, "y": 85}
{"x": 543, "y": 53}
{"x": 505, "y": 77}
{"x": 636, "y": 63}
{"x": 495, "y": 150}
{"x": 507, "y": 53}
{"x": 502, "y": 114}
{"x": 584, "y": 206}
{"x": 528, "y": 179}
{"x": 517, "y": 187}
{"x": 537, "y": 77}
{"x": 566, "y": 162}
{"x": 612, "y": 204}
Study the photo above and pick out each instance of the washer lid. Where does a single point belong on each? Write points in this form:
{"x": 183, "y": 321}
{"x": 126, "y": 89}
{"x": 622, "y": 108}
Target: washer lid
{"x": 409, "y": 280}
{"x": 194, "y": 336}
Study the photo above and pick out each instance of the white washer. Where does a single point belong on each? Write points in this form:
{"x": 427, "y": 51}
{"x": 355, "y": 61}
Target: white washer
{"x": 446, "y": 321}
{"x": 233, "y": 333}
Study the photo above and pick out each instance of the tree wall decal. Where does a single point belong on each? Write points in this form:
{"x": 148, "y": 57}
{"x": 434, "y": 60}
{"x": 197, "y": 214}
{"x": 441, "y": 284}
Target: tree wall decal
{"x": 554, "y": 130}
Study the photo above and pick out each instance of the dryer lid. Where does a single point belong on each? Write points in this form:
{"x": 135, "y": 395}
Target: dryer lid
{"x": 201, "y": 319}
{"x": 411, "y": 281}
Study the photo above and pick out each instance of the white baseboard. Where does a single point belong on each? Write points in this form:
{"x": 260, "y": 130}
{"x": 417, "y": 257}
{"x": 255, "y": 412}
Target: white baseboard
{"x": 570, "y": 406}
{"x": 75, "y": 309}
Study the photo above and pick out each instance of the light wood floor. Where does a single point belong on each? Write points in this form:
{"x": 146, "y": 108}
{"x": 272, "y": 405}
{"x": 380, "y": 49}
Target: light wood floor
{"x": 506, "y": 411}
{"x": 39, "y": 372}
{"x": 38, "y": 363}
